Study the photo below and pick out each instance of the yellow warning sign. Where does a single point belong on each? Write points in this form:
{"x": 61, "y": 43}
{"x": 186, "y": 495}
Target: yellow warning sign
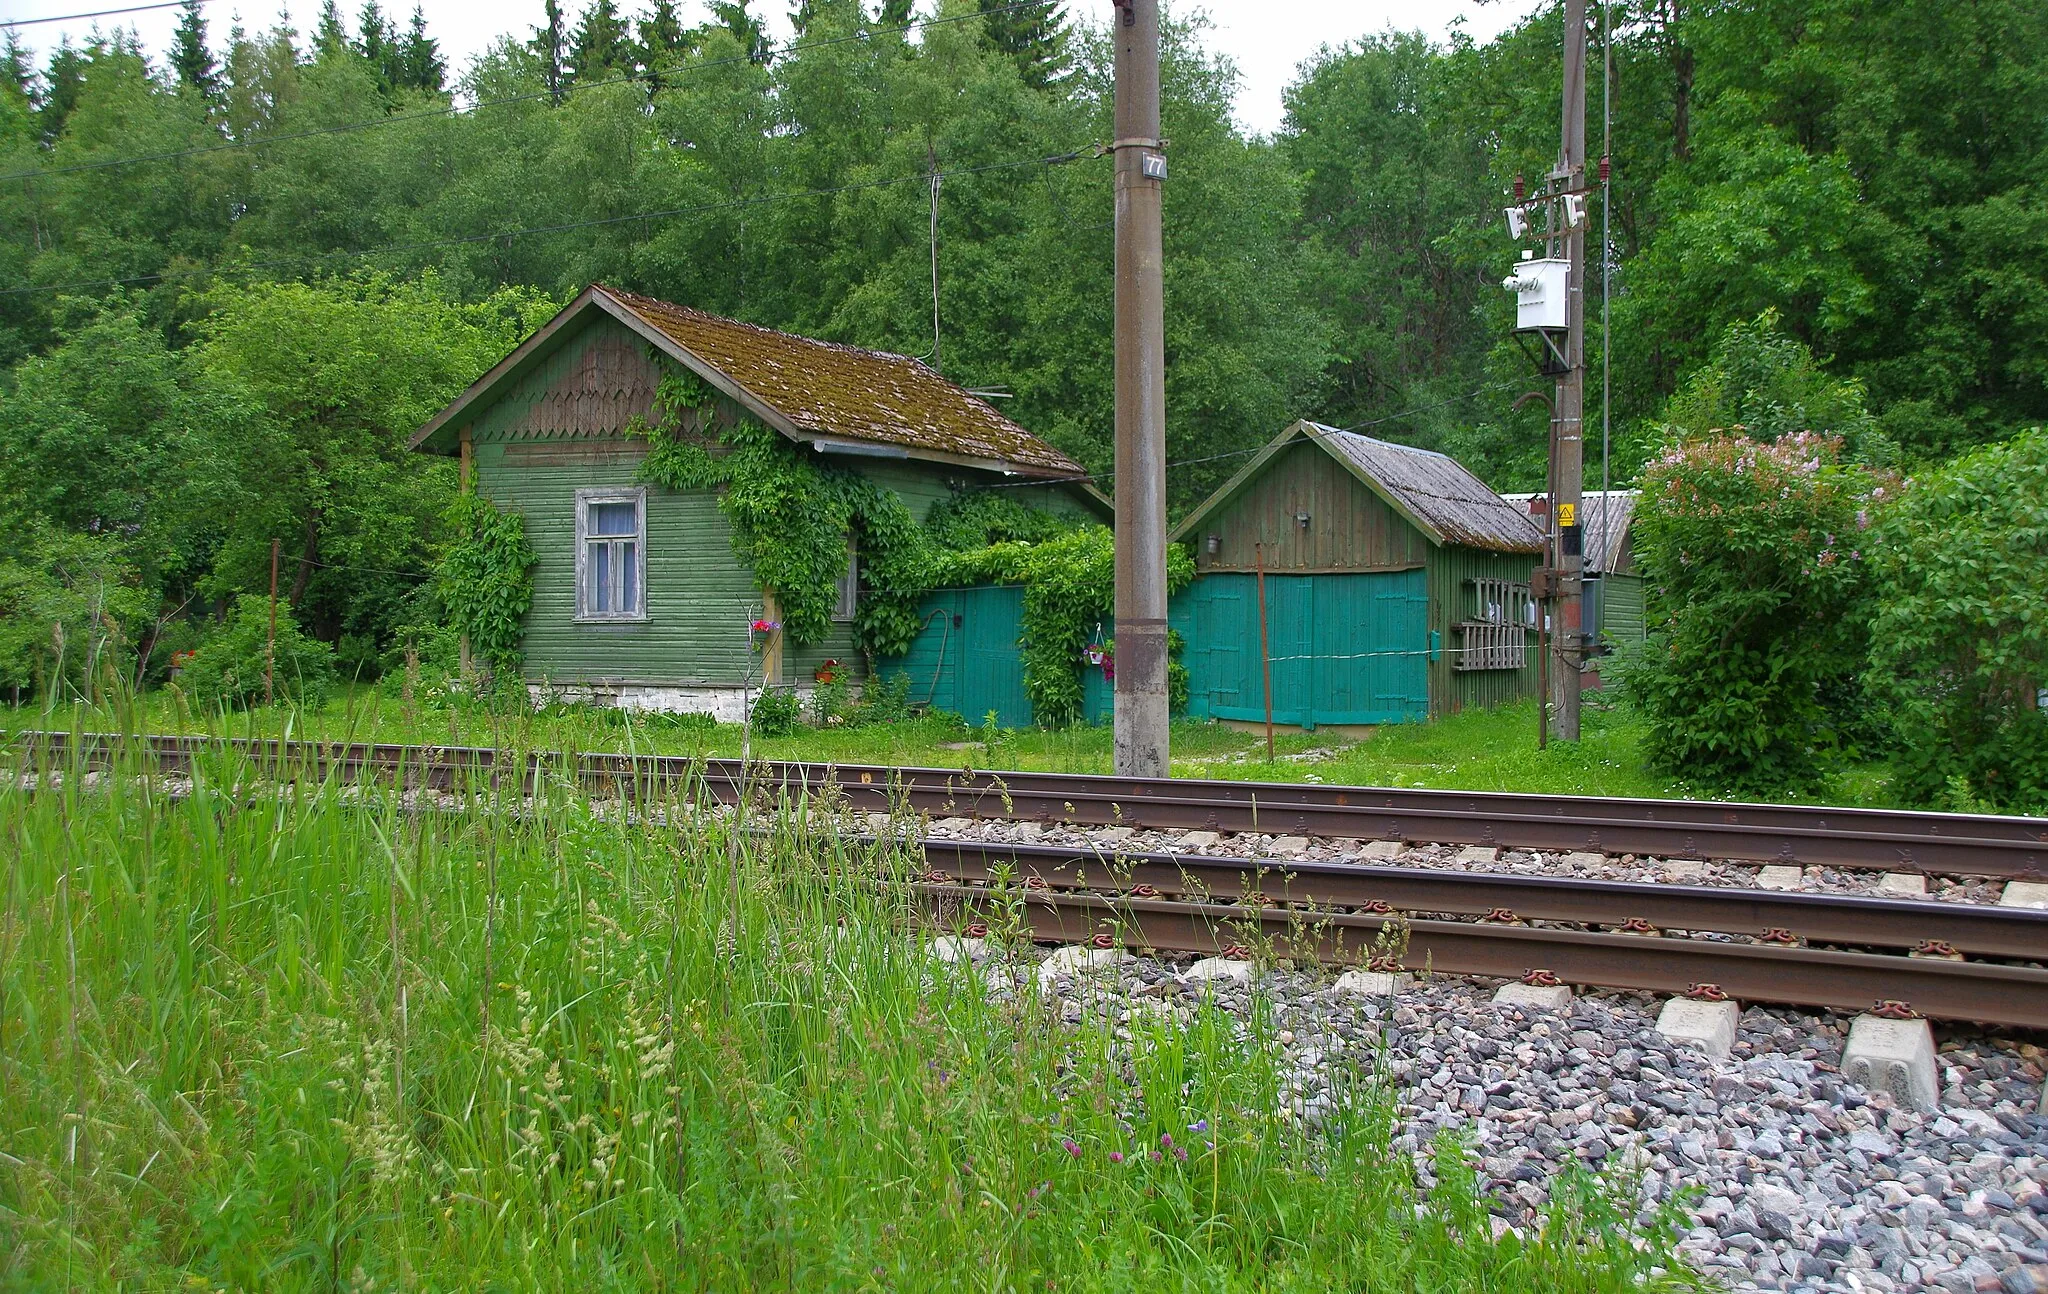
{"x": 1567, "y": 514}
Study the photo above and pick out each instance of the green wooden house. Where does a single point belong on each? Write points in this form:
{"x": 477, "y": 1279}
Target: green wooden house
{"x": 639, "y": 599}
{"x": 1395, "y": 587}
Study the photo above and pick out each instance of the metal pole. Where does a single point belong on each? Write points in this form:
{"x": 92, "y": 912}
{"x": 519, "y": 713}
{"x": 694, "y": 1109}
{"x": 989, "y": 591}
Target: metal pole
{"x": 1606, "y": 265}
{"x": 1141, "y": 707}
{"x": 1265, "y": 659}
{"x": 270, "y": 651}
{"x": 1568, "y": 483}
{"x": 931, "y": 154}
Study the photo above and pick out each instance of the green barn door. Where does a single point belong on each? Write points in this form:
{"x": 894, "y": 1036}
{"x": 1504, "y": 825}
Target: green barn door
{"x": 1214, "y": 616}
{"x": 991, "y": 674}
{"x": 1291, "y": 648}
{"x": 1397, "y": 669}
{"x": 1344, "y": 648}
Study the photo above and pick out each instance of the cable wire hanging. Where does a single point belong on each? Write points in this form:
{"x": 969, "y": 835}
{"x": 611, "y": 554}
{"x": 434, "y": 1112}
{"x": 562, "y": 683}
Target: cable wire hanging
{"x": 97, "y": 13}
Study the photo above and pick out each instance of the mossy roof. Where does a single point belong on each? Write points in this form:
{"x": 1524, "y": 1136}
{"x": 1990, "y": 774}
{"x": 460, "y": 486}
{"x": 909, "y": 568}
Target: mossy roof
{"x": 1434, "y": 491}
{"x": 808, "y": 389}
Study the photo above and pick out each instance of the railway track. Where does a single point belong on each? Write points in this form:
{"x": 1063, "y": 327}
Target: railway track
{"x": 1943, "y": 960}
{"x": 1984, "y": 845}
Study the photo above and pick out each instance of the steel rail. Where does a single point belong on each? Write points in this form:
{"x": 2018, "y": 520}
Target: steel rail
{"x": 1073, "y": 902}
{"x": 1996, "y": 995}
{"x": 1981, "y": 930}
{"x": 1894, "y": 840}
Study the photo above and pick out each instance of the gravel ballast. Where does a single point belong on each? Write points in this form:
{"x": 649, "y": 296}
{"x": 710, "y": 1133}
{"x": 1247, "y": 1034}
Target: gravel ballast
{"x": 1806, "y": 1182}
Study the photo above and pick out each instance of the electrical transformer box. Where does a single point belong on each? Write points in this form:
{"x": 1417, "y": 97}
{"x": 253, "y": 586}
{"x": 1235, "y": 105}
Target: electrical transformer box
{"x": 1541, "y": 288}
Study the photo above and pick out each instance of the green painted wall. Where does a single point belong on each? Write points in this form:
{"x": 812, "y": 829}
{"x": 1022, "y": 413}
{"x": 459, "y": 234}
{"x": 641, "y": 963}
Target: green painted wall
{"x": 1350, "y": 528}
{"x": 1621, "y": 609}
{"x": 1451, "y": 600}
{"x": 554, "y": 431}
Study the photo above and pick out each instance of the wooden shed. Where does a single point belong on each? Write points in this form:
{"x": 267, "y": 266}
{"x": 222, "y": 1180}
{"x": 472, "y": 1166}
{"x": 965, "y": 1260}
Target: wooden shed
{"x": 639, "y": 598}
{"x": 1396, "y": 586}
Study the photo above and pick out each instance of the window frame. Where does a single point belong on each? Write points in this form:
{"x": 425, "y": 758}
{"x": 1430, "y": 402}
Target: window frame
{"x": 846, "y": 589}
{"x": 585, "y": 498}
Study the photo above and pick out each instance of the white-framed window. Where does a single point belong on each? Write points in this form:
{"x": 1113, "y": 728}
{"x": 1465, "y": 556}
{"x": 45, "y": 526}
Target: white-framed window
{"x": 849, "y": 584}
{"x": 611, "y": 553}
{"x": 1496, "y": 635}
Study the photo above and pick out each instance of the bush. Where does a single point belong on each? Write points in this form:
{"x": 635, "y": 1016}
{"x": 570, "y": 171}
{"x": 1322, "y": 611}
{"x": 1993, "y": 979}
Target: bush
{"x": 882, "y": 701}
{"x": 228, "y": 669}
{"x": 1757, "y": 570}
{"x": 69, "y": 606}
{"x": 775, "y": 711}
{"x": 486, "y": 580}
{"x": 1959, "y": 645}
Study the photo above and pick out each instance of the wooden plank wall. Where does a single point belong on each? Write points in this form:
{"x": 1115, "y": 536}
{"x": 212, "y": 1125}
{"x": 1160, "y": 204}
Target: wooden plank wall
{"x": 1350, "y": 528}
{"x": 1451, "y": 599}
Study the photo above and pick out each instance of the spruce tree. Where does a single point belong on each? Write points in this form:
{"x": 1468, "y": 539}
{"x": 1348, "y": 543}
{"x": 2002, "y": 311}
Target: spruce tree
{"x": 420, "y": 64}
{"x": 735, "y": 17}
{"x": 547, "y": 46}
{"x": 17, "y": 71}
{"x": 379, "y": 45}
{"x": 603, "y": 49}
{"x": 1034, "y": 36}
{"x": 190, "y": 57}
{"x": 663, "y": 40}
{"x": 331, "y": 36}
{"x": 62, "y": 85}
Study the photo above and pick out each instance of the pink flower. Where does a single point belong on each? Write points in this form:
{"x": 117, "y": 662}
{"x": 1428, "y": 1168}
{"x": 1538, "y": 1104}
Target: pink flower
{"x": 1071, "y": 1148}
{"x": 1116, "y": 1156}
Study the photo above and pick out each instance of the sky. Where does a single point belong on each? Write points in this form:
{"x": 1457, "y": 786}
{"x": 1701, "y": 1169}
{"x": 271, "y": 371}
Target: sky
{"x": 1269, "y": 39}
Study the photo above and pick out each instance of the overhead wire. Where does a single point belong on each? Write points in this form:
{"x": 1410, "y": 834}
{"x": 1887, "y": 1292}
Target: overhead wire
{"x": 244, "y": 267}
{"x": 97, "y": 13}
{"x": 391, "y": 119}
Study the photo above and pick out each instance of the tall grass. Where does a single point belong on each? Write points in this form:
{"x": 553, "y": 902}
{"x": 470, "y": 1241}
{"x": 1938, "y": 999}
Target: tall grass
{"x": 325, "y": 1040}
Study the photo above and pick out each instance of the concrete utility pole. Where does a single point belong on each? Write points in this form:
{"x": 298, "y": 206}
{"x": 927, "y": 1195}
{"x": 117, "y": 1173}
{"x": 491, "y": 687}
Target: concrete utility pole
{"x": 1141, "y": 709}
{"x": 1568, "y": 450}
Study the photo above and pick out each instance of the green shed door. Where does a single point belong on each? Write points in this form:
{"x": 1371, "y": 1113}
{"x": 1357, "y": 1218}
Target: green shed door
{"x": 991, "y": 662}
{"x": 965, "y": 659}
{"x": 1344, "y": 648}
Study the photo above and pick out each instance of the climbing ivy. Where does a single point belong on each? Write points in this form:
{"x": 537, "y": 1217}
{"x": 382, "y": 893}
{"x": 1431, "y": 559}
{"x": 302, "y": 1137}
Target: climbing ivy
{"x": 968, "y": 519}
{"x": 791, "y": 517}
{"x": 486, "y": 579}
{"x": 1069, "y": 588}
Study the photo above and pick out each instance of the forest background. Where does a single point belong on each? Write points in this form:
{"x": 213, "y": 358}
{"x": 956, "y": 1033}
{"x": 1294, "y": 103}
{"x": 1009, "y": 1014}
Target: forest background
{"x": 231, "y": 287}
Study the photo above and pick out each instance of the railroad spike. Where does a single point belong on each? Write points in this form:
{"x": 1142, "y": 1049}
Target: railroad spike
{"x": 1939, "y": 949}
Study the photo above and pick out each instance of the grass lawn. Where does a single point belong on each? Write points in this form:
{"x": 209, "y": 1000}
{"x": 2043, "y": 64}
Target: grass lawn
{"x": 1489, "y": 750}
{"x": 316, "y": 1043}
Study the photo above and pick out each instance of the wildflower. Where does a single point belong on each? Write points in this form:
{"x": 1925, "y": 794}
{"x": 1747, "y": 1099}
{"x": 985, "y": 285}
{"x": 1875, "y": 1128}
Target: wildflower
{"x": 1116, "y": 1156}
{"x": 1071, "y": 1148}
{"x": 1199, "y": 1125}
{"x": 1166, "y": 1141}
{"x": 1180, "y": 1154}
{"x": 1156, "y": 1156}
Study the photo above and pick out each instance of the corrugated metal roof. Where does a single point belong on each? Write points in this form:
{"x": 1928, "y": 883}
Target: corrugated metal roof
{"x": 1438, "y": 491}
{"x": 1604, "y": 517}
{"x": 844, "y": 392}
